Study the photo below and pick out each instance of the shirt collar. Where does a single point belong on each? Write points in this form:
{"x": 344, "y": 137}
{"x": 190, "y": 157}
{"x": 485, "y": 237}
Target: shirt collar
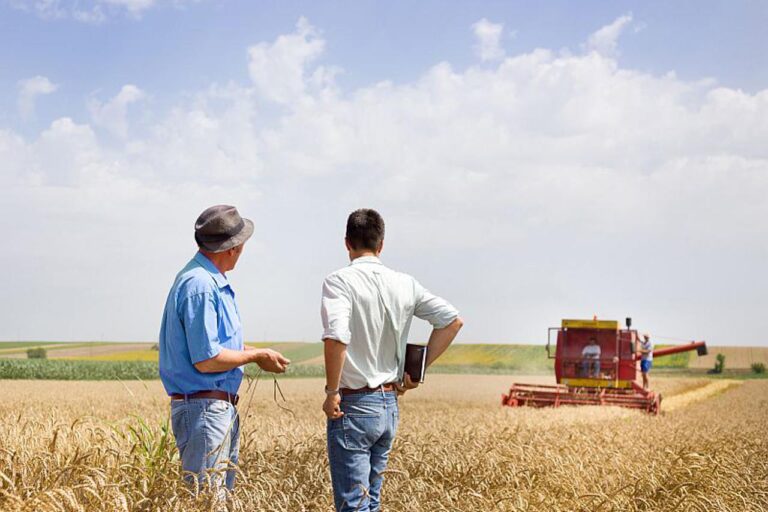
{"x": 366, "y": 259}
{"x": 218, "y": 277}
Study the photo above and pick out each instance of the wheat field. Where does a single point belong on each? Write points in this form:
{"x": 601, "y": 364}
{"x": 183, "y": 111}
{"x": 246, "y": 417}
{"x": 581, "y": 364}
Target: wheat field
{"x": 80, "y": 446}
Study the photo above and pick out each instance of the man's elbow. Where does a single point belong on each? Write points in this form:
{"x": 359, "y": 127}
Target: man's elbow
{"x": 334, "y": 343}
{"x": 206, "y": 366}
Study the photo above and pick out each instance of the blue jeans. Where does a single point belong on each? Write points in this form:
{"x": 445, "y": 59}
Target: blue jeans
{"x": 358, "y": 448}
{"x": 207, "y": 435}
{"x": 590, "y": 368}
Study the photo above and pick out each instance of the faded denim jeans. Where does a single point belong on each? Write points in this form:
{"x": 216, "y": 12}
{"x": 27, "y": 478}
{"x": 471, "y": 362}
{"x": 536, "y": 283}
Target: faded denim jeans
{"x": 207, "y": 435}
{"x": 590, "y": 368}
{"x": 358, "y": 449}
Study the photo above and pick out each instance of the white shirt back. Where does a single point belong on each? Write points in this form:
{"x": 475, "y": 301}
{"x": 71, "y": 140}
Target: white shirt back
{"x": 369, "y": 307}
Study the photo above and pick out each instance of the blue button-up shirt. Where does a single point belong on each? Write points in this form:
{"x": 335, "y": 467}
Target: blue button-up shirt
{"x": 200, "y": 318}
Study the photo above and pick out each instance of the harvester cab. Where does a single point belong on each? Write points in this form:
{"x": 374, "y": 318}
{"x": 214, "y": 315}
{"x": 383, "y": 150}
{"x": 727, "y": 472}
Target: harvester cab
{"x": 596, "y": 363}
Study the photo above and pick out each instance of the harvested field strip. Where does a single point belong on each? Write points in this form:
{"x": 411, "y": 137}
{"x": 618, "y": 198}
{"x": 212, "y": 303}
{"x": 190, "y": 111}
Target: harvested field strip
{"x": 20, "y": 350}
{"x": 6, "y": 346}
{"x": 700, "y": 393}
{"x": 735, "y": 357}
{"x": 127, "y": 355}
{"x": 99, "y": 349}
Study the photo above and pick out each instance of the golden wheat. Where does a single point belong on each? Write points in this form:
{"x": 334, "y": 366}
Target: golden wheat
{"x": 81, "y": 446}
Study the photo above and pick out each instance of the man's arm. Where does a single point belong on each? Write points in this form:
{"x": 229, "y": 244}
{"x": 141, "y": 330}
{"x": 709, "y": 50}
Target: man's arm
{"x": 199, "y": 315}
{"x": 335, "y": 353}
{"x": 440, "y": 339}
{"x": 227, "y": 359}
{"x": 445, "y": 322}
{"x": 335, "y": 312}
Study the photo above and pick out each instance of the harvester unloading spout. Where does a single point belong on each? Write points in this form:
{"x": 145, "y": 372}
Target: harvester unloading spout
{"x": 602, "y": 374}
{"x": 699, "y": 346}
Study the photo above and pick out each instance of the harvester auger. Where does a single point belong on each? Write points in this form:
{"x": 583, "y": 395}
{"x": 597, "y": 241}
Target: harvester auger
{"x": 606, "y": 380}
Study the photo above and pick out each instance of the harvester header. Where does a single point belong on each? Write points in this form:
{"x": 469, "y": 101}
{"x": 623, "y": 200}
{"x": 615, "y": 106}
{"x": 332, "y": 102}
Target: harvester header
{"x": 596, "y": 363}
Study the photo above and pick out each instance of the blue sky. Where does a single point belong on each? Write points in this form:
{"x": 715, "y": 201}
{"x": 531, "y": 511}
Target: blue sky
{"x": 533, "y": 160}
{"x": 171, "y": 49}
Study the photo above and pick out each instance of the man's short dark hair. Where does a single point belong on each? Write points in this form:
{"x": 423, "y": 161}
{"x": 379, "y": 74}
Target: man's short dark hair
{"x": 365, "y": 229}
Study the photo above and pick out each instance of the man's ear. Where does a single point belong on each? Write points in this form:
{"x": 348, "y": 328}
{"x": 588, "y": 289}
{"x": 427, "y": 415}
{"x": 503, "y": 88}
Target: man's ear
{"x": 381, "y": 247}
{"x": 347, "y": 244}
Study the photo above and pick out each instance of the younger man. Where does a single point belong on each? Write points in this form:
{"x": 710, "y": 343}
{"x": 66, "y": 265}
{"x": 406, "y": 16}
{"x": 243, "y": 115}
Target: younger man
{"x": 367, "y": 310}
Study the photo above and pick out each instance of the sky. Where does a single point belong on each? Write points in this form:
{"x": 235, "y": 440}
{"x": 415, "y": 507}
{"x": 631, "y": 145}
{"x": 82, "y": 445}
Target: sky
{"x": 533, "y": 161}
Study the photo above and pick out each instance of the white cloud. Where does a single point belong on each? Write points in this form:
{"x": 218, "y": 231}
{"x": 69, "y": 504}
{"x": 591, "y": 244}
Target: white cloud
{"x": 546, "y": 185}
{"x": 132, "y": 6}
{"x": 488, "y": 37}
{"x": 278, "y": 69}
{"x": 29, "y": 90}
{"x": 604, "y": 41}
{"x": 91, "y": 11}
{"x": 112, "y": 115}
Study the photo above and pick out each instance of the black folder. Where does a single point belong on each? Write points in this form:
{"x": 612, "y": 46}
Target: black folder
{"x": 416, "y": 361}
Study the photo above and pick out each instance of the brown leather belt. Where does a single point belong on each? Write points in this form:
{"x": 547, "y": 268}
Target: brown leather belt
{"x": 216, "y": 395}
{"x": 389, "y": 386}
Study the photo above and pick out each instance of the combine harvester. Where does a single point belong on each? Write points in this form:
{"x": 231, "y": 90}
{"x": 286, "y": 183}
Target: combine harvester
{"x": 581, "y": 382}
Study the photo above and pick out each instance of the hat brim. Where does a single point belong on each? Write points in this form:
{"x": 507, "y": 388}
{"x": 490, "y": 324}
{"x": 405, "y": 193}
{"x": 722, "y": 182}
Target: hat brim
{"x": 234, "y": 241}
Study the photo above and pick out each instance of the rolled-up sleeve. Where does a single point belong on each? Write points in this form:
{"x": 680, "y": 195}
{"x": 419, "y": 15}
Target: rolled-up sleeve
{"x": 200, "y": 318}
{"x": 438, "y": 312}
{"x": 336, "y": 310}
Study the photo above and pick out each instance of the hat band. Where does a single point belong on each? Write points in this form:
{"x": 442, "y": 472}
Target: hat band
{"x": 220, "y": 237}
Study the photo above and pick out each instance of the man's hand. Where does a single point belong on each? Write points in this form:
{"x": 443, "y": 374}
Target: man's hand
{"x": 270, "y": 360}
{"x": 332, "y": 406}
{"x": 406, "y": 385}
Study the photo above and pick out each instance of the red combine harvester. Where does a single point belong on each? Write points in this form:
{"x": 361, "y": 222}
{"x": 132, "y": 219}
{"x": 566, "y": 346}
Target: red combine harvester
{"x": 605, "y": 380}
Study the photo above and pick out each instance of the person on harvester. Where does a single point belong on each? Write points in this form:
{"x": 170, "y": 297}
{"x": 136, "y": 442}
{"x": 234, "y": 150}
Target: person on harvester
{"x": 646, "y": 358}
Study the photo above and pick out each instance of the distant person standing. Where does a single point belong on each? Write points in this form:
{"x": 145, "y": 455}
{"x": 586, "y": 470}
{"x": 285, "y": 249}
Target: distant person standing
{"x": 646, "y": 358}
{"x": 367, "y": 310}
{"x": 202, "y": 350}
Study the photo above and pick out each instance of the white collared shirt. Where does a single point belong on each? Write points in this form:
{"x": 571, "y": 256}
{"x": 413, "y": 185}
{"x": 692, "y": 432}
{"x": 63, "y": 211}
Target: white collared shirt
{"x": 591, "y": 352}
{"x": 647, "y": 345}
{"x": 369, "y": 308}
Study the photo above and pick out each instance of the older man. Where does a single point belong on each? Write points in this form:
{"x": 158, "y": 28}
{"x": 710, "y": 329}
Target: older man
{"x": 367, "y": 310}
{"x": 202, "y": 350}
